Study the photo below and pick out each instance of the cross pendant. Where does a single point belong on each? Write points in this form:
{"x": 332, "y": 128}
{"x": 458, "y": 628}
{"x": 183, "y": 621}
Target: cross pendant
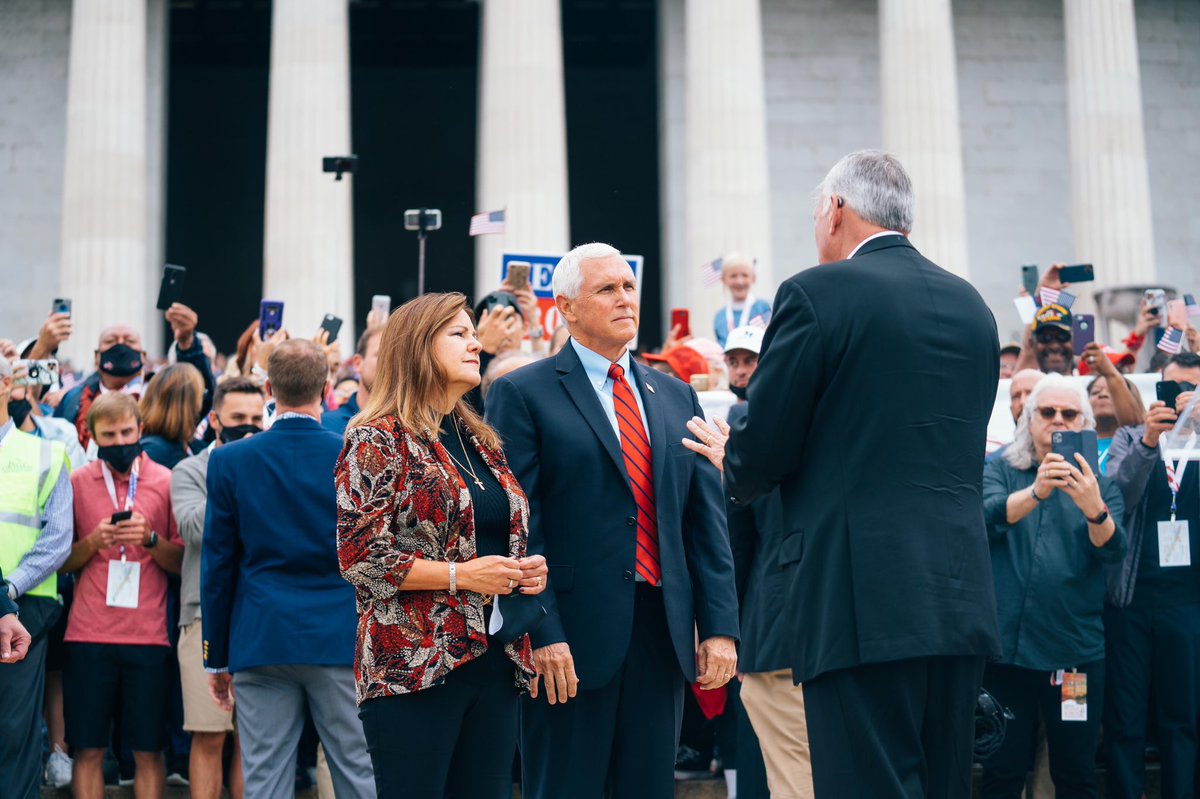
{"x": 479, "y": 483}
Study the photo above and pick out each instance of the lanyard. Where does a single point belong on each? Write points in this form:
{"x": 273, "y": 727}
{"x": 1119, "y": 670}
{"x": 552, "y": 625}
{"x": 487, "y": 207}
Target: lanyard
{"x": 130, "y": 492}
{"x": 747, "y": 307}
{"x": 1174, "y": 480}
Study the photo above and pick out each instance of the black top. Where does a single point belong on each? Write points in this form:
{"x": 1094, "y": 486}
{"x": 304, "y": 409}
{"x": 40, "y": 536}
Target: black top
{"x": 490, "y": 503}
{"x": 1174, "y": 585}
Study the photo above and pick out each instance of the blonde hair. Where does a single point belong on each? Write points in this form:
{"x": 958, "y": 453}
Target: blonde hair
{"x": 171, "y": 405}
{"x": 112, "y": 407}
{"x": 409, "y": 381}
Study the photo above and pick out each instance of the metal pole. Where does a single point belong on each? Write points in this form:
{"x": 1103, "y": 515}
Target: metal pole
{"x": 421, "y": 260}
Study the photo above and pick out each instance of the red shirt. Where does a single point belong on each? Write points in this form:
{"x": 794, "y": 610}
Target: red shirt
{"x": 92, "y": 621}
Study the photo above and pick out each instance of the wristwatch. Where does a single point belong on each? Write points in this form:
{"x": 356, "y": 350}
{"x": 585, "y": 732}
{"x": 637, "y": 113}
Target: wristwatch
{"x": 153, "y": 542}
{"x": 536, "y": 332}
{"x": 1099, "y": 519}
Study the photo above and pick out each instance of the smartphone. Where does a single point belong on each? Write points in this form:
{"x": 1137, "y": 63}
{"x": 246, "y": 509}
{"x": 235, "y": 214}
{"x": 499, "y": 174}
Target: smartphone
{"x": 1168, "y": 391}
{"x": 381, "y": 305}
{"x": 332, "y": 325}
{"x": 679, "y": 318}
{"x": 1083, "y": 331}
{"x": 518, "y": 275}
{"x": 171, "y": 289}
{"x": 1067, "y": 443}
{"x": 37, "y": 373}
{"x": 1029, "y": 279}
{"x": 1156, "y": 300}
{"x": 1177, "y": 315}
{"x": 270, "y": 318}
{"x": 121, "y": 516}
{"x": 1077, "y": 273}
{"x": 61, "y": 305}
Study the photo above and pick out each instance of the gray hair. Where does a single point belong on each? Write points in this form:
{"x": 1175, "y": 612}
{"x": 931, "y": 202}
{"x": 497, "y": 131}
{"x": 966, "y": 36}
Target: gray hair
{"x": 1021, "y": 453}
{"x": 568, "y": 274}
{"x": 875, "y": 186}
{"x": 505, "y": 362}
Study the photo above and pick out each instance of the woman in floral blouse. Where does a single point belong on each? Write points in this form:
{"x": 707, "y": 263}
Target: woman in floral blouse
{"x": 432, "y": 528}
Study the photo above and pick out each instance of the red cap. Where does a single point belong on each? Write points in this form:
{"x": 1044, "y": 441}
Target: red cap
{"x": 684, "y": 362}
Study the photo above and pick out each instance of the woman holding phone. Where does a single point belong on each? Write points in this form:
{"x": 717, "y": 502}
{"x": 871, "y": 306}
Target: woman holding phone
{"x": 432, "y": 532}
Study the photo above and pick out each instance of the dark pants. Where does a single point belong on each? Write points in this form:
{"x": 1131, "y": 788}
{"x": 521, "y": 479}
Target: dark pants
{"x": 1071, "y": 744}
{"x": 751, "y": 771}
{"x": 1153, "y": 655}
{"x": 454, "y": 740}
{"x": 616, "y": 740}
{"x": 22, "y": 686}
{"x": 896, "y": 730}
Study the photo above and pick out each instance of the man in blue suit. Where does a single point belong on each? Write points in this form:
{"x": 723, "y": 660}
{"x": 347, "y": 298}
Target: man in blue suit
{"x": 278, "y": 619}
{"x": 632, "y": 525}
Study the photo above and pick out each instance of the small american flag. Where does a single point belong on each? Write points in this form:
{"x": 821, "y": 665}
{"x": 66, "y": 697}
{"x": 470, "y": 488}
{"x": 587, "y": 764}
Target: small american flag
{"x": 1192, "y": 308}
{"x": 487, "y": 223}
{"x": 1064, "y": 298}
{"x": 758, "y": 321}
{"x": 710, "y": 273}
{"x": 1172, "y": 341}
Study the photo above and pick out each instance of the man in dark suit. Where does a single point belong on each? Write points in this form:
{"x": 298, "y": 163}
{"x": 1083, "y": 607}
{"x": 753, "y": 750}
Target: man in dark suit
{"x": 869, "y": 409}
{"x": 632, "y": 525}
{"x": 274, "y": 608}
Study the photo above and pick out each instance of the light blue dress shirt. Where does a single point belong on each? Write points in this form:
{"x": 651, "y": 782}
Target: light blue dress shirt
{"x": 596, "y": 366}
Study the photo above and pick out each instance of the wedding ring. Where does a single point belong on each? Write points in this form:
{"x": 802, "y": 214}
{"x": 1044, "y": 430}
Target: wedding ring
{"x": 539, "y": 582}
{"x": 510, "y": 583}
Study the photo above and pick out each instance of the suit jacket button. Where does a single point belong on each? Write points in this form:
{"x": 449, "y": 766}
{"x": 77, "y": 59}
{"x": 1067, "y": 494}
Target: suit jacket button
{"x": 631, "y": 520}
{"x": 628, "y": 575}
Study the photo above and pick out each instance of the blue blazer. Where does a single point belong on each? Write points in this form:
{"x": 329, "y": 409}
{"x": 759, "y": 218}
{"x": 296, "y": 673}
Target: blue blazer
{"x": 564, "y": 452}
{"x": 271, "y": 591}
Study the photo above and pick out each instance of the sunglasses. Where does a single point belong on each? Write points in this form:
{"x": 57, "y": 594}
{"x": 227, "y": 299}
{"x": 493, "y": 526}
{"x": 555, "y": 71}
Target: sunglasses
{"x": 1068, "y": 414}
{"x": 1048, "y": 335}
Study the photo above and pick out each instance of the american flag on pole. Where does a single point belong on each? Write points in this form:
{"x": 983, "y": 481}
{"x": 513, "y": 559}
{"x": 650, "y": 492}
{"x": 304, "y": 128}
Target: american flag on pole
{"x": 1172, "y": 341}
{"x": 710, "y": 273}
{"x": 1064, "y": 298}
{"x": 487, "y": 223}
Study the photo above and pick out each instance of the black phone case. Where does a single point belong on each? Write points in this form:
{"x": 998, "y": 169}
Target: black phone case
{"x": 171, "y": 288}
{"x": 1067, "y": 443}
{"x": 333, "y": 326}
{"x": 1167, "y": 391}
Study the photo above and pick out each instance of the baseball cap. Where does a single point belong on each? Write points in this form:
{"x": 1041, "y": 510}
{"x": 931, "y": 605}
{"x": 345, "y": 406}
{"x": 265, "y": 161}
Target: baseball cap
{"x": 747, "y": 337}
{"x": 1011, "y": 347}
{"x": 1052, "y": 315}
{"x": 684, "y": 362}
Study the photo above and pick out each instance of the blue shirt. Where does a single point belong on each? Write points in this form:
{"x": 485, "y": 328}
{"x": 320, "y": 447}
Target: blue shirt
{"x": 337, "y": 419}
{"x": 596, "y": 366}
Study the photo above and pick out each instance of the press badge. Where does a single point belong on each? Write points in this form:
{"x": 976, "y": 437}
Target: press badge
{"x": 123, "y": 582}
{"x": 1074, "y": 696}
{"x": 1174, "y": 544}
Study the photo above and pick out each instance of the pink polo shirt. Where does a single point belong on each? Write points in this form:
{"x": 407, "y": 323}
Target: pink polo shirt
{"x": 92, "y": 621}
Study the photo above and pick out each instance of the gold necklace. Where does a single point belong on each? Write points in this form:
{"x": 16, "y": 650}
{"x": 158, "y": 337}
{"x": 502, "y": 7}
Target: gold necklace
{"x": 463, "y": 467}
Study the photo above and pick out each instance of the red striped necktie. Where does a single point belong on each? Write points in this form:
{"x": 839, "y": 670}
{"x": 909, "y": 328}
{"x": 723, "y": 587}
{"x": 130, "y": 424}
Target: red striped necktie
{"x": 639, "y": 463}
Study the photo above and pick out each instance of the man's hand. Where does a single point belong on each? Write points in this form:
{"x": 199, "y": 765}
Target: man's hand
{"x": 1098, "y": 362}
{"x": 556, "y": 666}
{"x": 1083, "y": 488}
{"x": 133, "y": 531}
{"x": 183, "y": 321}
{"x": 333, "y": 352}
{"x": 263, "y": 349}
{"x": 716, "y": 662}
{"x": 1052, "y": 474}
{"x": 14, "y": 639}
{"x": 533, "y": 574}
{"x": 710, "y": 440}
{"x": 1051, "y": 280}
{"x": 1146, "y": 320}
{"x": 104, "y": 536}
{"x": 1159, "y": 419}
{"x": 220, "y": 688}
{"x": 675, "y": 339}
{"x": 499, "y": 331}
{"x": 55, "y": 330}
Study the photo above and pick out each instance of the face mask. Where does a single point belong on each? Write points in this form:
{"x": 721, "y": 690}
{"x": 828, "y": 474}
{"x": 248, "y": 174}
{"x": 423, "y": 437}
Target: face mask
{"x": 739, "y": 391}
{"x": 238, "y": 432}
{"x": 120, "y": 360}
{"x": 19, "y": 410}
{"x": 119, "y": 456}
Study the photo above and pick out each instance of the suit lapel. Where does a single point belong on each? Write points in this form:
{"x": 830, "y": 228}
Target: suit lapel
{"x": 647, "y": 379}
{"x": 583, "y": 394}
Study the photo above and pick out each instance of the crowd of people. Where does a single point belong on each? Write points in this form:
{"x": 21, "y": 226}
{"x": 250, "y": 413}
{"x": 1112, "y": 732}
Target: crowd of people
{"x": 475, "y": 540}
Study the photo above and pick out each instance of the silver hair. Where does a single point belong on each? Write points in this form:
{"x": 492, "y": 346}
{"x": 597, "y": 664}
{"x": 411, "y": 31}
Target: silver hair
{"x": 568, "y": 274}
{"x": 1021, "y": 453}
{"x": 875, "y": 186}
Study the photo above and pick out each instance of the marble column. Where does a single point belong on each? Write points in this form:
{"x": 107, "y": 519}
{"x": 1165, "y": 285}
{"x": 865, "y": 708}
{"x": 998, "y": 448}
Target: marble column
{"x": 308, "y": 259}
{"x": 1110, "y": 179}
{"x": 157, "y": 25}
{"x": 919, "y": 88}
{"x": 104, "y": 184}
{"x": 728, "y": 203}
{"x": 522, "y": 134}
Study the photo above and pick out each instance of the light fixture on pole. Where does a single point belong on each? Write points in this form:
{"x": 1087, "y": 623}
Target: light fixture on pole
{"x": 422, "y": 220}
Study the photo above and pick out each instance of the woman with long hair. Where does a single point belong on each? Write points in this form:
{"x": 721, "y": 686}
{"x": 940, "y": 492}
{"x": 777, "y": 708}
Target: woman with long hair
{"x": 432, "y": 533}
{"x": 171, "y": 408}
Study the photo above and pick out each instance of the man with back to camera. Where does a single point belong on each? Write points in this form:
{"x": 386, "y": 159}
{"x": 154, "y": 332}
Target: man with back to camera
{"x": 891, "y": 586}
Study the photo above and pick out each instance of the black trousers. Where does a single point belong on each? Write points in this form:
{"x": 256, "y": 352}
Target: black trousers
{"x": 453, "y": 740}
{"x": 897, "y": 730}
{"x": 616, "y": 740}
{"x": 1072, "y": 745}
{"x": 1153, "y": 657}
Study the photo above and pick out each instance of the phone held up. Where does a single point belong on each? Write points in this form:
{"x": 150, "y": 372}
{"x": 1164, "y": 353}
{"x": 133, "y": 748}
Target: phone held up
{"x": 332, "y": 325}
{"x": 1077, "y": 273}
{"x": 270, "y": 318}
{"x": 61, "y": 305}
{"x": 1083, "y": 331}
{"x": 1084, "y": 442}
{"x": 381, "y": 305}
{"x": 37, "y": 373}
{"x": 1029, "y": 279}
{"x": 679, "y": 319}
{"x": 171, "y": 289}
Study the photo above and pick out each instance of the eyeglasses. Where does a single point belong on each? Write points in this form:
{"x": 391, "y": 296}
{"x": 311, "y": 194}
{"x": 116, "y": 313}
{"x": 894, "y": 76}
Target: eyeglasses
{"x": 1068, "y": 414}
{"x": 1049, "y": 335}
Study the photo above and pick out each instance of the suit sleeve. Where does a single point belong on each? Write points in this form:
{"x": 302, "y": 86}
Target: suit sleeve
{"x": 706, "y": 545}
{"x": 763, "y": 445}
{"x": 196, "y": 357}
{"x": 7, "y": 606}
{"x": 218, "y": 563}
{"x": 508, "y": 412}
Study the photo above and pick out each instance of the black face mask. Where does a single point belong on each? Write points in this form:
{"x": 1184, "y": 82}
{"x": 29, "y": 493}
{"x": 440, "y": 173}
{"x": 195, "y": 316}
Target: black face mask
{"x": 19, "y": 410}
{"x": 238, "y": 432}
{"x": 739, "y": 391}
{"x": 120, "y": 360}
{"x": 119, "y": 456}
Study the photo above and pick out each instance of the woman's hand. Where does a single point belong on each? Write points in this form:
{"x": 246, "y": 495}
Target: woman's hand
{"x": 491, "y": 574}
{"x": 1099, "y": 363}
{"x": 1083, "y": 488}
{"x": 1052, "y": 474}
{"x": 261, "y": 350}
{"x": 533, "y": 574}
{"x": 499, "y": 331}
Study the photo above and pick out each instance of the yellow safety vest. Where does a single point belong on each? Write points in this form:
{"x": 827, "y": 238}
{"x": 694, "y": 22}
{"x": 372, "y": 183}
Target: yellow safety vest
{"x": 29, "y": 470}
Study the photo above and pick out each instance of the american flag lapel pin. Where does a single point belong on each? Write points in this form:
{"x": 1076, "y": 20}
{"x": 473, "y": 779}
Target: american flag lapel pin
{"x": 650, "y": 388}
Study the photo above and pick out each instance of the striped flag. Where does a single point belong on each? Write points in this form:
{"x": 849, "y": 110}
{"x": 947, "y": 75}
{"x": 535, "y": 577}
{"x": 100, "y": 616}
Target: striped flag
{"x": 710, "y": 273}
{"x": 1062, "y": 297}
{"x": 1192, "y": 308}
{"x": 1171, "y": 341}
{"x": 487, "y": 223}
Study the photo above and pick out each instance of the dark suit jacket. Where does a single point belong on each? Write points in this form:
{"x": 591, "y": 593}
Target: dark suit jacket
{"x": 7, "y": 606}
{"x": 869, "y": 409}
{"x": 565, "y": 454}
{"x": 755, "y": 535}
{"x": 271, "y": 590}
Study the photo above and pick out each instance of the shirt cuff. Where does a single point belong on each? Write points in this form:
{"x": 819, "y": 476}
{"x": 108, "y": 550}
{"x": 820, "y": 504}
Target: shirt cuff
{"x": 217, "y": 671}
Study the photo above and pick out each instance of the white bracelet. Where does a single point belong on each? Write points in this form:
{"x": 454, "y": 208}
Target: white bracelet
{"x": 453, "y": 579}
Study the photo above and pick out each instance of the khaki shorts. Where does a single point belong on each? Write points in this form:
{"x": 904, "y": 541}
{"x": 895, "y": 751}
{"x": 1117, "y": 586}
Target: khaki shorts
{"x": 200, "y": 712}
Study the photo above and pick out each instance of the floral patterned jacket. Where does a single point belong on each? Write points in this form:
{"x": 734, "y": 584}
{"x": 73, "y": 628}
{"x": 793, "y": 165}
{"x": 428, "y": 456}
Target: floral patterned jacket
{"x": 399, "y": 499}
